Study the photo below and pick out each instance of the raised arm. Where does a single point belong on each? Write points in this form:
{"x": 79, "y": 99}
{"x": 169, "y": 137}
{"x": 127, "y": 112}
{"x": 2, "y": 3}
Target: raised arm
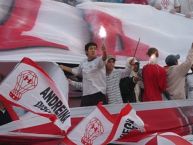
{"x": 184, "y": 67}
{"x": 66, "y": 68}
{"x": 104, "y": 52}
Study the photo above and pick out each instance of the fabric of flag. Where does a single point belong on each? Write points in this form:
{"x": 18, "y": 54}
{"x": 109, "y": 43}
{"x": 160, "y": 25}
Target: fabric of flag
{"x": 58, "y": 32}
{"x": 30, "y": 87}
{"x": 167, "y": 138}
{"x": 93, "y": 129}
{"x": 126, "y": 122}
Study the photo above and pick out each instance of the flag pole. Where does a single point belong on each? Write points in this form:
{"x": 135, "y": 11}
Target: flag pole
{"x": 136, "y": 47}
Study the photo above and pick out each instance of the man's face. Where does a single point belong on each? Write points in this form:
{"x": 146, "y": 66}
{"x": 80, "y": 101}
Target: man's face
{"x": 156, "y": 54}
{"x": 136, "y": 67}
{"x": 110, "y": 64}
{"x": 91, "y": 53}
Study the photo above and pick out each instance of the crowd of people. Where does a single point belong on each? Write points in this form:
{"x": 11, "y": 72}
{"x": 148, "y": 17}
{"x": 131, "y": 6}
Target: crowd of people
{"x": 101, "y": 81}
{"x": 184, "y": 7}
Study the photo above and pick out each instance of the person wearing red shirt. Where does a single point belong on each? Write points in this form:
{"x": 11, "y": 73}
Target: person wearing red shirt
{"x": 154, "y": 78}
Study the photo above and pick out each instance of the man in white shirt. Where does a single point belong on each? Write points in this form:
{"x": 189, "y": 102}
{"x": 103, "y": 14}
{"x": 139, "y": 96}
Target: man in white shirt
{"x": 92, "y": 71}
{"x": 113, "y": 77}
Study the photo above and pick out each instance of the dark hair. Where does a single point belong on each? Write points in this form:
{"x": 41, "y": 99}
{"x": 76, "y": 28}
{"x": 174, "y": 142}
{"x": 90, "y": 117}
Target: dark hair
{"x": 89, "y": 44}
{"x": 151, "y": 51}
{"x": 172, "y": 59}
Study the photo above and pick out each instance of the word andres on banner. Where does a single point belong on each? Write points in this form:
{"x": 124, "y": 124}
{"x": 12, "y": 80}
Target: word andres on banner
{"x": 55, "y": 104}
{"x": 128, "y": 126}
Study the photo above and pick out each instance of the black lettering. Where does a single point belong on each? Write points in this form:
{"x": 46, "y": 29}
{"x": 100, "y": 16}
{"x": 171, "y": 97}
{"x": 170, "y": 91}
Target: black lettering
{"x": 53, "y": 101}
{"x": 40, "y": 103}
{"x": 61, "y": 109}
{"x": 64, "y": 116}
{"x": 56, "y": 106}
{"x": 49, "y": 96}
{"x": 44, "y": 93}
{"x": 42, "y": 107}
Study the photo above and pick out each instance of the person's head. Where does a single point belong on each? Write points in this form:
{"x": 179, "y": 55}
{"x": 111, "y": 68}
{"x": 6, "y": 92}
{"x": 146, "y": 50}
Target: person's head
{"x": 110, "y": 63}
{"x": 153, "y": 55}
{"x": 152, "y": 51}
{"x": 136, "y": 66}
{"x": 135, "y": 63}
{"x": 90, "y": 50}
{"x": 172, "y": 59}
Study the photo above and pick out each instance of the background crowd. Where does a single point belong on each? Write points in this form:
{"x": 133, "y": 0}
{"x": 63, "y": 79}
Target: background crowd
{"x": 101, "y": 81}
{"x": 184, "y": 7}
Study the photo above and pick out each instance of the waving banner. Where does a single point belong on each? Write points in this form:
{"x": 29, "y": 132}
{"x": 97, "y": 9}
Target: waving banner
{"x": 30, "y": 87}
{"x": 58, "y": 32}
{"x": 127, "y": 121}
{"x": 93, "y": 129}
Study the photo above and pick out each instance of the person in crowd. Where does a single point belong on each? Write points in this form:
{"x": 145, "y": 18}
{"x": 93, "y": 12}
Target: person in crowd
{"x": 131, "y": 87}
{"x": 176, "y": 74}
{"x": 187, "y": 8}
{"x": 4, "y": 115}
{"x": 154, "y": 78}
{"x": 189, "y": 84}
{"x": 172, "y": 6}
{"x": 92, "y": 70}
{"x": 113, "y": 77}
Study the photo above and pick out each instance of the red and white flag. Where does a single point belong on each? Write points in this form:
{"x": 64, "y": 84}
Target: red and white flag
{"x": 92, "y": 130}
{"x": 31, "y": 88}
{"x": 58, "y": 32}
{"x": 126, "y": 121}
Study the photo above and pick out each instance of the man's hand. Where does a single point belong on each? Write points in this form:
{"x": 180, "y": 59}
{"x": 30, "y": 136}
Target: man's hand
{"x": 132, "y": 61}
{"x": 65, "y": 68}
{"x": 104, "y": 55}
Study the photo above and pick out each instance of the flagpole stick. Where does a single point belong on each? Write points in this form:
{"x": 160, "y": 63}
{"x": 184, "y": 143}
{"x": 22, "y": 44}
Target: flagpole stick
{"x": 136, "y": 48}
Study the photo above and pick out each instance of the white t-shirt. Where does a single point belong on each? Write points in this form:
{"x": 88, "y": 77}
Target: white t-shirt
{"x": 93, "y": 76}
{"x": 165, "y": 4}
{"x": 189, "y": 86}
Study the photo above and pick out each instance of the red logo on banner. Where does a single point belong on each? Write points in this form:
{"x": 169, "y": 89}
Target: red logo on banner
{"x": 165, "y": 3}
{"x": 26, "y": 80}
{"x": 93, "y": 129}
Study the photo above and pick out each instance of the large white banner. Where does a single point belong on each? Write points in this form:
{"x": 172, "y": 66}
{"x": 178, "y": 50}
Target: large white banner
{"x": 53, "y": 31}
{"x": 170, "y": 33}
{"x": 30, "y": 87}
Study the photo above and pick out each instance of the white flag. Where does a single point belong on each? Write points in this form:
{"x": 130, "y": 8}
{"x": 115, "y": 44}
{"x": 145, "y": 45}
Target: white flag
{"x": 127, "y": 121}
{"x": 30, "y": 87}
{"x": 94, "y": 129}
